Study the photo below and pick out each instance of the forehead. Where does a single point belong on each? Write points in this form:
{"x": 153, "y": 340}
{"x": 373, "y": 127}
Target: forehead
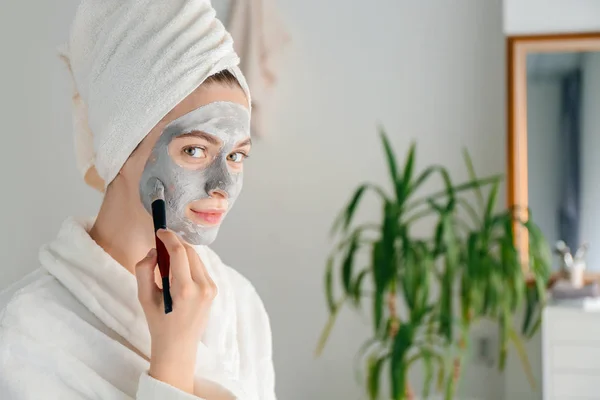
{"x": 226, "y": 120}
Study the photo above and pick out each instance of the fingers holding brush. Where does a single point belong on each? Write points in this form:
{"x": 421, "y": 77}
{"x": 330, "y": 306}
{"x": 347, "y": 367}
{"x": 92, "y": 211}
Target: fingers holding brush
{"x": 148, "y": 291}
{"x": 191, "y": 281}
{"x": 179, "y": 260}
{"x": 175, "y": 334}
{"x": 200, "y": 275}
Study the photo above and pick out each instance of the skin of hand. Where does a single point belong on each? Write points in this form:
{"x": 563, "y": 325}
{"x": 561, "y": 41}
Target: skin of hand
{"x": 175, "y": 335}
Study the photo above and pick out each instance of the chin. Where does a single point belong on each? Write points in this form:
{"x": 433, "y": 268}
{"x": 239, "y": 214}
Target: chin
{"x": 200, "y": 236}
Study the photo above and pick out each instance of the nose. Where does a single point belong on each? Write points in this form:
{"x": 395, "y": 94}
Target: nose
{"x": 219, "y": 180}
{"x": 218, "y": 193}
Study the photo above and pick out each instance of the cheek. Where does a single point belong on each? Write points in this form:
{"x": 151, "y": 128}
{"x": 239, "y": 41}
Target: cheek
{"x": 237, "y": 182}
{"x": 190, "y": 185}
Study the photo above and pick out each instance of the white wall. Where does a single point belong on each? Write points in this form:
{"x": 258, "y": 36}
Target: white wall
{"x": 550, "y": 16}
{"x": 431, "y": 71}
{"x": 544, "y": 153}
{"x": 41, "y": 185}
{"x": 590, "y": 163}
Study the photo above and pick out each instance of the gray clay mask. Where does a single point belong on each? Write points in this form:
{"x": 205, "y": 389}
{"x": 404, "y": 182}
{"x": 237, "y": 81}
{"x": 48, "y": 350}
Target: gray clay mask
{"x": 227, "y": 122}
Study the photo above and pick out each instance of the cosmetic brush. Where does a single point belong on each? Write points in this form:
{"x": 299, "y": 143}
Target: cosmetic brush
{"x": 159, "y": 217}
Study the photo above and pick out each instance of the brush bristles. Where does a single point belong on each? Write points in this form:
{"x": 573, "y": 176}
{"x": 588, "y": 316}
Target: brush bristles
{"x": 158, "y": 190}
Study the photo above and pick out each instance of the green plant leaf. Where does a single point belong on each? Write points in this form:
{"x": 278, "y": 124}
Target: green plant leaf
{"x": 463, "y": 187}
{"x": 529, "y": 308}
{"x": 378, "y": 304}
{"x": 439, "y": 385}
{"x": 465, "y": 205}
{"x": 530, "y": 304}
{"x": 431, "y": 360}
{"x": 375, "y": 365}
{"x": 407, "y": 276}
{"x": 390, "y": 157}
{"x": 504, "y": 324}
{"x": 379, "y": 263}
{"x": 348, "y": 263}
{"x": 451, "y": 263}
{"x": 451, "y": 242}
{"x": 422, "y": 268}
{"x": 356, "y": 289}
{"x": 540, "y": 254}
{"x": 491, "y": 204}
{"x": 518, "y": 343}
{"x": 420, "y": 314}
{"x": 450, "y": 191}
{"x": 398, "y": 362}
{"x": 473, "y": 177}
{"x": 329, "y": 284}
{"x": 422, "y": 178}
{"x": 372, "y": 346}
{"x": 328, "y": 327}
{"x": 344, "y": 219}
{"x": 438, "y": 239}
{"x": 446, "y": 307}
{"x": 538, "y": 306}
{"x": 535, "y": 327}
{"x": 384, "y": 261}
{"x": 478, "y": 183}
{"x": 428, "y": 379}
{"x": 417, "y": 215}
{"x": 359, "y": 231}
{"x": 408, "y": 170}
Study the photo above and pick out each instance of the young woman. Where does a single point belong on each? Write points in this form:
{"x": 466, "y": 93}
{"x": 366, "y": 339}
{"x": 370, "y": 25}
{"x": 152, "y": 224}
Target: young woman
{"x": 90, "y": 323}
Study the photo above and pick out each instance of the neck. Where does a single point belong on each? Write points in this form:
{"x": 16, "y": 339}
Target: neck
{"x": 123, "y": 229}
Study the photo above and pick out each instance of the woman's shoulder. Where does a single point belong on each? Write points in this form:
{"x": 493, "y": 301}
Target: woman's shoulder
{"x": 26, "y": 308}
{"x": 242, "y": 285}
{"x": 246, "y": 295}
{"x": 47, "y": 336}
{"x": 38, "y": 298}
{"x": 32, "y": 284}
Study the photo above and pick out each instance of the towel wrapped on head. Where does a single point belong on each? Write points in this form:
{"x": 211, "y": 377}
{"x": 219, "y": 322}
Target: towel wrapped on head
{"x": 133, "y": 61}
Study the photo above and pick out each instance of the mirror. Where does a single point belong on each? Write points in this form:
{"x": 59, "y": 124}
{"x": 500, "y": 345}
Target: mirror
{"x": 554, "y": 134}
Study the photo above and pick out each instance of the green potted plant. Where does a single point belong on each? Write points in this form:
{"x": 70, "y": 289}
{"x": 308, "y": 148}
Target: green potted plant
{"x": 427, "y": 291}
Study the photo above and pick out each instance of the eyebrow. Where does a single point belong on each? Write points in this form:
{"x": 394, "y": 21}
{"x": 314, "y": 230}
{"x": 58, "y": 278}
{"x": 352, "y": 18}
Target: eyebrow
{"x": 247, "y": 142}
{"x": 213, "y": 139}
{"x": 202, "y": 135}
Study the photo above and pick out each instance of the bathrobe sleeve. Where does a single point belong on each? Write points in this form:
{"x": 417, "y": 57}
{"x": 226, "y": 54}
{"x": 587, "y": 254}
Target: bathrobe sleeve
{"x": 268, "y": 380}
{"x": 33, "y": 370}
{"x": 265, "y": 373}
{"x": 153, "y": 389}
{"x": 28, "y": 372}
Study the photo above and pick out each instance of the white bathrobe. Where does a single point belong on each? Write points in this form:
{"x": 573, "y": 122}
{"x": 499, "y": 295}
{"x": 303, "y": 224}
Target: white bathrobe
{"x": 74, "y": 329}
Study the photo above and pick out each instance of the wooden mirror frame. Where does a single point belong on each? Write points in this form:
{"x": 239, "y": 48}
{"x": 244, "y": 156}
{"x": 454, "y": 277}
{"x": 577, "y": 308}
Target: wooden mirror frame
{"x": 517, "y": 48}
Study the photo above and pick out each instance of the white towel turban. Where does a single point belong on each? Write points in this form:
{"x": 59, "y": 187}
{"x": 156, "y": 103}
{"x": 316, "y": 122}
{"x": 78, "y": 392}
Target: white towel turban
{"x": 133, "y": 61}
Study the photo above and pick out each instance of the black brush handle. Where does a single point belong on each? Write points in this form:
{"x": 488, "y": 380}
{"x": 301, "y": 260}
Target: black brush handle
{"x": 167, "y": 295}
{"x": 159, "y": 217}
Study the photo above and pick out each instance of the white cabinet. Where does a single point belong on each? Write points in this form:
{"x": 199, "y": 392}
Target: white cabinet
{"x": 571, "y": 352}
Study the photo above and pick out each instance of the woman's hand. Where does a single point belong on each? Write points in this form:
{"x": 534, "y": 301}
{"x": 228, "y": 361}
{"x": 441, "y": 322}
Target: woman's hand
{"x": 175, "y": 335}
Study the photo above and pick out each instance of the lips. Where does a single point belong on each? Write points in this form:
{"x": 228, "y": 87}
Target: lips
{"x": 208, "y": 217}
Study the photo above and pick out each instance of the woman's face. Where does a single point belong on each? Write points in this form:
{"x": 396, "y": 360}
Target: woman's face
{"x": 198, "y": 153}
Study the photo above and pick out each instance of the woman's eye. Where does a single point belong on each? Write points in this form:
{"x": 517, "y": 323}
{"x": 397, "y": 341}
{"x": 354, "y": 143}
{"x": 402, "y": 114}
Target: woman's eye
{"x": 237, "y": 157}
{"x": 196, "y": 152}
